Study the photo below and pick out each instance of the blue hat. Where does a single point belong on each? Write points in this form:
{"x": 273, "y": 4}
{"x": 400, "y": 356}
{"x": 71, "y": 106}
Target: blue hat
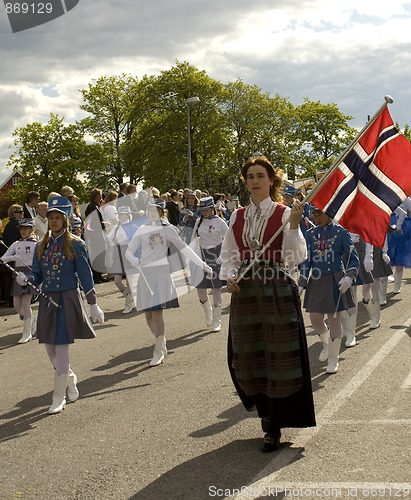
{"x": 60, "y": 204}
{"x": 313, "y": 208}
{"x": 298, "y": 191}
{"x": 234, "y": 198}
{"x": 123, "y": 209}
{"x": 157, "y": 202}
{"x": 26, "y": 222}
{"x": 190, "y": 192}
{"x": 289, "y": 190}
{"x": 207, "y": 202}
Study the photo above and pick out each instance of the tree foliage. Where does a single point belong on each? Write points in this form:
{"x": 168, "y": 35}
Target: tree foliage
{"x": 50, "y": 156}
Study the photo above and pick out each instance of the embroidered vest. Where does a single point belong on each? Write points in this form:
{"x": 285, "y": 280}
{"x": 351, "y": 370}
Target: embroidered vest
{"x": 273, "y": 252}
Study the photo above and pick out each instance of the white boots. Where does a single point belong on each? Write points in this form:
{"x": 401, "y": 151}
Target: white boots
{"x": 129, "y": 303}
{"x": 27, "y": 325}
{"x": 382, "y": 286}
{"x": 325, "y": 338}
{"x": 72, "y": 391}
{"x": 397, "y": 280}
{"x": 208, "y": 312}
{"x": 348, "y": 324}
{"x": 58, "y": 401}
{"x": 216, "y": 318}
{"x": 373, "y": 309}
{"x": 160, "y": 351}
{"x": 333, "y": 355}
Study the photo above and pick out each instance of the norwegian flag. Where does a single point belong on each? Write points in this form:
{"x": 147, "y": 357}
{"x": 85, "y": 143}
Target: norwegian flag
{"x": 371, "y": 181}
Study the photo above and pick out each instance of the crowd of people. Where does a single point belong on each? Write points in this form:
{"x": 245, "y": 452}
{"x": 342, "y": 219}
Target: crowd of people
{"x": 269, "y": 255}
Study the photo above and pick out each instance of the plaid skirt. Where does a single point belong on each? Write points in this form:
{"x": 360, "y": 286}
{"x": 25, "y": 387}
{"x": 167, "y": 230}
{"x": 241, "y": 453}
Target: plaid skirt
{"x": 267, "y": 348}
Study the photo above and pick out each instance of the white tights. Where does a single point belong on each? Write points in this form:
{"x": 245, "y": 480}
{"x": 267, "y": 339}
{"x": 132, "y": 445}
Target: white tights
{"x": 118, "y": 281}
{"x": 334, "y": 323}
{"x": 155, "y": 322}
{"x": 22, "y": 305}
{"x": 371, "y": 290}
{"x": 59, "y": 357}
{"x": 217, "y": 298}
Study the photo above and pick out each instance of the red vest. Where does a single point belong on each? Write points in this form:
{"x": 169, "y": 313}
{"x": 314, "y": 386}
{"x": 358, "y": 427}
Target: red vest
{"x": 273, "y": 252}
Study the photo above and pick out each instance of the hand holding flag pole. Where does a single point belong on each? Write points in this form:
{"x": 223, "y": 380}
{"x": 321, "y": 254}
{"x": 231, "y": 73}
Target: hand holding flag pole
{"x": 387, "y": 100}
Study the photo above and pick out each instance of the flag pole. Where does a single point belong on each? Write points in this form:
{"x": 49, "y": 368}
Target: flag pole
{"x": 387, "y": 100}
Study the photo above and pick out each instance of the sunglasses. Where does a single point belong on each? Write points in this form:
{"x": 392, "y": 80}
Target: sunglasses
{"x": 19, "y": 212}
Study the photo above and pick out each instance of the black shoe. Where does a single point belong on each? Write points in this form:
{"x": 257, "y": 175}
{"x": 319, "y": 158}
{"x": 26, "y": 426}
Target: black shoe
{"x": 265, "y": 424}
{"x": 104, "y": 280}
{"x": 271, "y": 442}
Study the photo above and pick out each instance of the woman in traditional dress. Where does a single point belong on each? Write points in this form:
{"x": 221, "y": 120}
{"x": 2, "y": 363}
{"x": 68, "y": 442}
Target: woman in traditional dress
{"x": 267, "y": 347}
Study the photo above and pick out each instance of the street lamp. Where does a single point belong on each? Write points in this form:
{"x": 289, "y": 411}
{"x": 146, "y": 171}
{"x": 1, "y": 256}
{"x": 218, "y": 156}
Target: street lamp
{"x": 189, "y": 101}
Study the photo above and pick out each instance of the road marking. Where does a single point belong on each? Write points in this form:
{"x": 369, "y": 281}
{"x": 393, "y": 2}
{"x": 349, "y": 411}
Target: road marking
{"x": 407, "y": 383}
{"x": 374, "y": 421}
{"x": 285, "y": 456}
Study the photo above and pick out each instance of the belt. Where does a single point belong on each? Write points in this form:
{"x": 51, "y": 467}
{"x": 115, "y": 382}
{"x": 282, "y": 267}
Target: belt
{"x": 261, "y": 262}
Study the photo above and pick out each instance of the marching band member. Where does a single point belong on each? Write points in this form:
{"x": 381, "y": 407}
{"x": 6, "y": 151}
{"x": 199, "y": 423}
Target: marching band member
{"x": 60, "y": 260}
{"x": 267, "y": 346}
{"x": 155, "y": 288}
{"x": 327, "y": 283}
{"x": 210, "y": 230}
{"x": 21, "y": 252}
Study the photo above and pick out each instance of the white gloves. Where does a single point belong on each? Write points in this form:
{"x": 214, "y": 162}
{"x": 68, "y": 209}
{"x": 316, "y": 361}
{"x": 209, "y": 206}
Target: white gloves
{"x": 21, "y": 279}
{"x": 96, "y": 313}
{"x": 344, "y": 284}
{"x": 386, "y": 257}
{"x": 219, "y": 260}
{"x": 208, "y": 270}
{"x": 368, "y": 263}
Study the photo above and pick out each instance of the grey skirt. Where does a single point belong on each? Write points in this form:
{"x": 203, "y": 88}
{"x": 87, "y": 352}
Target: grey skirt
{"x": 322, "y": 295}
{"x": 16, "y": 289}
{"x": 63, "y": 325}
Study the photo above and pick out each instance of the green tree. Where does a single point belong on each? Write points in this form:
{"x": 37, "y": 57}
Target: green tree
{"x": 323, "y": 133}
{"x": 49, "y": 156}
{"x": 109, "y": 100}
{"x": 161, "y": 138}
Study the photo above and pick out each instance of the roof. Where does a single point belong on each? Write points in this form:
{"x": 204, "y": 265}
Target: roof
{"x": 12, "y": 174}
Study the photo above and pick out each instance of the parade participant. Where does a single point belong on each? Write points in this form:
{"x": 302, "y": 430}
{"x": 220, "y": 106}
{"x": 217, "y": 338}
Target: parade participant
{"x": 399, "y": 242}
{"x": 366, "y": 280}
{"x": 327, "y": 282}
{"x": 21, "y": 252}
{"x": 60, "y": 260}
{"x": 11, "y": 234}
{"x": 382, "y": 270}
{"x": 267, "y": 346}
{"x": 288, "y": 196}
{"x": 155, "y": 288}
{"x": 210, "y": 230}
{"x": 188, "y": 216}
{"x": 109, "y": 211}
{"x": 40, "y": 220}
{"x": 116, "y": 262}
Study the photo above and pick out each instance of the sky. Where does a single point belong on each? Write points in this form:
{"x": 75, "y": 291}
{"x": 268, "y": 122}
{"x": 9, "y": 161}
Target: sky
{"x": 349, "y": 53}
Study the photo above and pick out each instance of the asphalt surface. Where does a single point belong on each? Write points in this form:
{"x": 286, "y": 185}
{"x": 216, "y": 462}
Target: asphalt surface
{"x": 179, "y": 431}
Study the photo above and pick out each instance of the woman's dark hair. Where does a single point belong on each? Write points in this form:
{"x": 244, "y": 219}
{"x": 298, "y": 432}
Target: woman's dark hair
{"x": 273, "y": 174}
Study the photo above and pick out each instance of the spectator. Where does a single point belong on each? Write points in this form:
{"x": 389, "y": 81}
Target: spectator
{"x": 40, "y": 220}
{"x": 66, "y": 191}
{"x": 94, "y": 235}
{"x": 32, "y": 200}
{"x": 123, "y": 190}
{"x": 173, "y": 209}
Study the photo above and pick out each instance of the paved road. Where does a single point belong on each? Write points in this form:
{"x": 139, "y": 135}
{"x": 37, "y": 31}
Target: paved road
{"x": 178, "y": 431}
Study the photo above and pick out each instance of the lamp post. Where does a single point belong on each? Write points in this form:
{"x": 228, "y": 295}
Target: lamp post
{"x": 189, "y": 101}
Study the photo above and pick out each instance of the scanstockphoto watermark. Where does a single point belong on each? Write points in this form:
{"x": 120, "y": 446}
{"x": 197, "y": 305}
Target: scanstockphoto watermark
{"x": 24, "y": 15}
{"x": 274, "y": 491}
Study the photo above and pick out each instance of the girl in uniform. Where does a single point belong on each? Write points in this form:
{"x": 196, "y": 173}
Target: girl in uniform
{"x": 60, "y": 261}
{"x": 210, "y": 230}
{"x": 155, "y": 288}
{"x": 267, "y": 346}
{"x": 21, "y": 252}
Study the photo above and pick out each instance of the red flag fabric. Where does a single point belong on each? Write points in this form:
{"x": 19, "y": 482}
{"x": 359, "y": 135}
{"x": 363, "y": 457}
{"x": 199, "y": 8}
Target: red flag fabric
{"x": 373, "y": 179}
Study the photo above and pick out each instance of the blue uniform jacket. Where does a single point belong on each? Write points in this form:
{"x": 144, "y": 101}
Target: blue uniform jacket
{"x": 57, "y": 273}
{"x": 326, "y": 247}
